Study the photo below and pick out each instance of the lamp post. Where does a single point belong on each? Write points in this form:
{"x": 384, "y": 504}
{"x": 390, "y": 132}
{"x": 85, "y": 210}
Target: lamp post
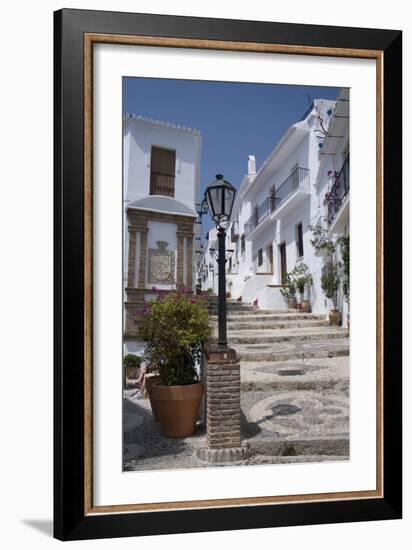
{"x": 219, "y": 197}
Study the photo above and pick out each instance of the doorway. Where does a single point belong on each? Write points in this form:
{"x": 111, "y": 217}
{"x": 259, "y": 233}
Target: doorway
{"x": 269, "y": 255}
{"x": 283, "y": 268}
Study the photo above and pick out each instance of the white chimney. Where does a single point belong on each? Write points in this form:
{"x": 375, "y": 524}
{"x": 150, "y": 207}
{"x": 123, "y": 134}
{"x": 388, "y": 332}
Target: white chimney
{"x": 251, "y": 165}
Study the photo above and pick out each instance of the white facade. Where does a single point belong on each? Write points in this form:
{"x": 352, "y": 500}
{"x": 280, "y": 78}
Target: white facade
{"x": 140, "y": 136}
{"x": 275, "y": 207}
{"x": 161, "y": 167}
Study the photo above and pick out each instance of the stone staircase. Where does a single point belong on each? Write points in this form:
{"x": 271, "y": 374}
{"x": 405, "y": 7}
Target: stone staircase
{"x": 294, "y": 383}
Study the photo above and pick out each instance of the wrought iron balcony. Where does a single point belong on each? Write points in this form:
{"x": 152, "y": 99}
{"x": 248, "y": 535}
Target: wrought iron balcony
{"x": 261, "y": 212}
{"x": 339, "y": 191}
{"x": 162, "y": 184}
{"x": 299, "y": 179}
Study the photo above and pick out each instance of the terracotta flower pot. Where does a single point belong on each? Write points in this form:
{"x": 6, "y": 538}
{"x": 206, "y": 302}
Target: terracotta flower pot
{"x": 292, "y": 304}
{"x": 306, "y": 306}
{"x": 150, "y": 380}
{"x": 299, "y": 306}
{"x": 178, "y": 408}
{"x": 334, "y": 317}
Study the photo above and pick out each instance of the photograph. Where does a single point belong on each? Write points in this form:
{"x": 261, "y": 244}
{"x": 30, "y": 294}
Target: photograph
{"x": 236, "y": 274}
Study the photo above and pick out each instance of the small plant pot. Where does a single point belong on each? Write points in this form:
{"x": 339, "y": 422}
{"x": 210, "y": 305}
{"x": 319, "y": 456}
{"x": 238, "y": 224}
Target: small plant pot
{"x": 306, "y": 306}
{"x": 292, "y": 304}
{"x": 228, "y": 295}
{"x": 150, "y": 380}
{"x": 178, "y": 408}
{"x": 299, "y": 306}
{"x": 335, "y": 317}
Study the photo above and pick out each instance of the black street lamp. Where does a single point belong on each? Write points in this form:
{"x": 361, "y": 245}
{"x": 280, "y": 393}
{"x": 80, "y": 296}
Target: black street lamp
{"x": 219, "y": 197}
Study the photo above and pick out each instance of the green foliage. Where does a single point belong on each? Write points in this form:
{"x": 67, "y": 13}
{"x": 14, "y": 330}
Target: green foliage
{"x": 131, "y": 360}
{"x": 175, "y": 328}
{"x": 345, "y": 253}
{"x": 288, "y": 291}
{"x": 330, "y": 281}
{"x": 301, "y": 277}
{"x": 322, "y": 240}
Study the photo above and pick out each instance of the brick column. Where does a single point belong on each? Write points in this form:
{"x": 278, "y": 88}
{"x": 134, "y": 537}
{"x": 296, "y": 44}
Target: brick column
{"x": 131, "y": 262}
{"x": 189, "y": 261}
{"x": 223, "y": 429}
{"x": 180, "y": 258}
{"x": 143, "y": 255}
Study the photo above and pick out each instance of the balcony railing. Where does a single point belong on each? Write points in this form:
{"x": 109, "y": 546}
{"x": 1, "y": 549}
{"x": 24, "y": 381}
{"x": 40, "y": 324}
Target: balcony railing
{"x": 162, "y": 184}
{"x": 299, "y": 178}
{"x": 262, "y": 211}
{"x": 338, "y": 192}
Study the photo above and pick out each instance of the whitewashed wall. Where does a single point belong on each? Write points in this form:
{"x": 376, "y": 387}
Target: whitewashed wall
{"x": 139, "y": 136}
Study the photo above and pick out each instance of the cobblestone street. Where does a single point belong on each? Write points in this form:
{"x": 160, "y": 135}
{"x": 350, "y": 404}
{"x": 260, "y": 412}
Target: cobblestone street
{"x": 294, "y": 394}
{"x": 304, "y": 420}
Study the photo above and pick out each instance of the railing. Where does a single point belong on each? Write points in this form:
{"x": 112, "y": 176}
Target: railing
{"x": 299, "y": 178}
{"x": 261, "y": 212}
{"x": 162, "y": 184}
{"x": 339, "y": 191}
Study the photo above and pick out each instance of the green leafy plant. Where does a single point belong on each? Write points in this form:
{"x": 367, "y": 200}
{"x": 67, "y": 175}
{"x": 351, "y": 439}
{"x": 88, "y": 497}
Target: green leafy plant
{"x": 322, "y": 240}
{"x": 131, "y": 360}
{"x": 345, "y": 254}
{"x": 288, "y": 290}
{"x": 174, "y": 329}
{"x": 301, "y": 277}
{"x": 330, "y": 281}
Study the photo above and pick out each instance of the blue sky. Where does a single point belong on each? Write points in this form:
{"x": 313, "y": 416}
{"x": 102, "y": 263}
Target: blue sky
{"x": 235, "y": 119}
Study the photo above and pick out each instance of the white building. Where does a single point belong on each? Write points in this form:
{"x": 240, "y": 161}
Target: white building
{"x": 303, "y": 182}
{"x": 161, "y": 188}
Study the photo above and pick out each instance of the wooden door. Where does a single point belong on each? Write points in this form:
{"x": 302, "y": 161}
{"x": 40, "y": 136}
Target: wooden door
{"x": 283, "y": 270}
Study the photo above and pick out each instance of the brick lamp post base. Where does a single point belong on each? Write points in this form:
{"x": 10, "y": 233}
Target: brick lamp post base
{"x": 223, "y": 430}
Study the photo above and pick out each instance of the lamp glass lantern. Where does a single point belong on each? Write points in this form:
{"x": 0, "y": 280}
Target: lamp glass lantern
{"x": 220, "y": 196}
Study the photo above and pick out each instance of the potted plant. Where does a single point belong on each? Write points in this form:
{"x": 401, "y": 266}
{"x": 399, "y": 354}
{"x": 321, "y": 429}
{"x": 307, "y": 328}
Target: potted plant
{"x": 229, "y": 284}
{"x": 345, "y": 254}
{"x": 174, "y": 330}
{"x": 131, "y": 365}
{"x": 330, "y": 281}
{"x": 288, "y": 291}
{"x": 321, "y": 242}
{"x": 302, "y": 279}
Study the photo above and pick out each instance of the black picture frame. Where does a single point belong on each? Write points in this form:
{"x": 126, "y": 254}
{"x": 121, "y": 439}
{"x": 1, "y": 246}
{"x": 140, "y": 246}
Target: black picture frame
{"x": 71, "y": 522}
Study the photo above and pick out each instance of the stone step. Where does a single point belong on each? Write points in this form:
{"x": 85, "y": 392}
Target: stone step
{"x": 277, "y": 316}
{"x": 286, "y": 335}
{"x": 214, "y": 310}
{"x": 285, "y": 351}
{"x": 257, "y": 325}
{"x": 312, "y": 374}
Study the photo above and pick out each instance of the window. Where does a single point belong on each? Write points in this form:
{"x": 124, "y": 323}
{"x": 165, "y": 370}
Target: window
{"x": 242, "y": 243}
{"x": 260, "y": 257}
{"x": 299, "y": 240}
{"x": 162, "y": 172}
